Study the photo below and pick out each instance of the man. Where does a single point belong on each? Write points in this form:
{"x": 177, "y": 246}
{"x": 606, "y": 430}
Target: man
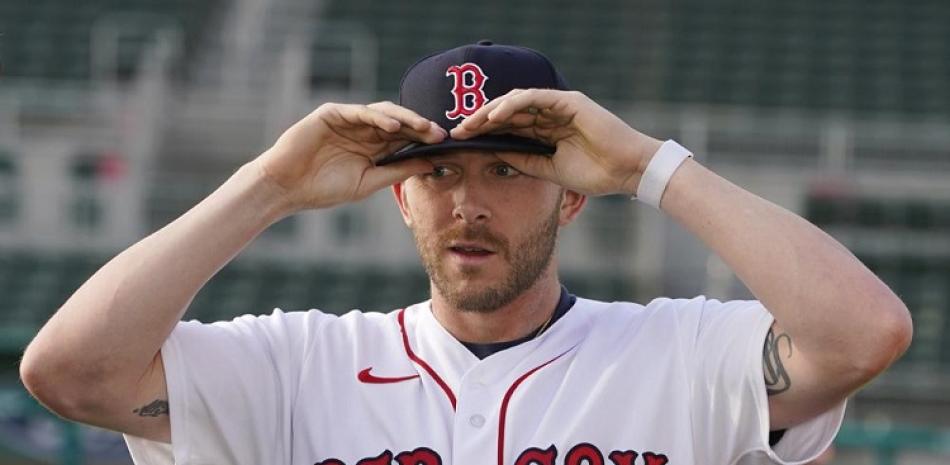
{"x": 488, "y": 155}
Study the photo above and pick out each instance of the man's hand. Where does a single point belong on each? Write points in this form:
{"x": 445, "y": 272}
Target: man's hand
{"x": 329, "y": 156}
{"x": 597, "y": 153}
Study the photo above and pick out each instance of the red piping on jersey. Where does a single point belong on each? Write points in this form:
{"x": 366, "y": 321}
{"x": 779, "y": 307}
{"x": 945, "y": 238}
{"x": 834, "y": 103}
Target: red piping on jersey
{"x": 504, "y": 404}
{"x": 401, "y": 317}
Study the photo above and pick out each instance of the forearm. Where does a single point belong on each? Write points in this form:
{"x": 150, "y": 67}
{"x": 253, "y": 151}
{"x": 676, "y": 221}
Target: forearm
{"x": 114, "y": 324}
{"x": 826, "y": 299}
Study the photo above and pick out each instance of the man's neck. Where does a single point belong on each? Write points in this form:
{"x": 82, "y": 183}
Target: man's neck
{"x": 510, "y": 322}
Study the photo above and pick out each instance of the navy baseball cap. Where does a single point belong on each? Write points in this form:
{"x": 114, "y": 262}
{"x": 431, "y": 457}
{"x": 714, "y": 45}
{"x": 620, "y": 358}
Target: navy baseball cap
{"x": 449, "y": 86}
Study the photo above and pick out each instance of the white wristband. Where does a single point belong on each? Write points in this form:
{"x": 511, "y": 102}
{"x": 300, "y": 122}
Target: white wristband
{"x": 659, "y": 171}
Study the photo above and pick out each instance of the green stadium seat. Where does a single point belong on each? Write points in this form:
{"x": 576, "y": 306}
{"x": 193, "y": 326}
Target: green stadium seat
{"x": 50, "y": 39}
{"x": 9, "y": 188}
{"x": 926, "y": 296}
{"x": 836, "y": 211}
{"x": 871, "y": 213}
{"x": 592, "y": 45}
{"x": 853, "y": 56}
{"x": 920, "y": 215}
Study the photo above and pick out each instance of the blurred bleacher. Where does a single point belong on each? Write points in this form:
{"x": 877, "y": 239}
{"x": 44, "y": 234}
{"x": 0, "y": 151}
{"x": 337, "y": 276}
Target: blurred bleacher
{"x": 852, "y": 56}
{"x": 782, "y": 95}
{"x": 53, "y": 40}
{"x": 862, "y": 59}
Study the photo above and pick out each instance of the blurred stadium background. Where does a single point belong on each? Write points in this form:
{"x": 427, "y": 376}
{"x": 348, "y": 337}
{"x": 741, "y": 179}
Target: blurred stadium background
{"x": 118, "y": 115}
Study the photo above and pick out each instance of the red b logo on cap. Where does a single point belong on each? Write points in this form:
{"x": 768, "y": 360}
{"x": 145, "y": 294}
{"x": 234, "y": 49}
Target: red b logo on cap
{"x": 469, "y": 95}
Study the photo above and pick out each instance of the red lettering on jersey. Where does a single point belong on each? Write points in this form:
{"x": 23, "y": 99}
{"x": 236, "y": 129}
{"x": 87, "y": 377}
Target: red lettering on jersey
{"x": 537, "y": 456}
{"x": 468, "y": 94}
{"x": 581, "y": 454}
{"x": 584, "y": 452}
{"x": 385, "y": 458}
{"x": 655, "y": 459}
{"x": 420, "y": 456}
{"x": 626, "y": 457}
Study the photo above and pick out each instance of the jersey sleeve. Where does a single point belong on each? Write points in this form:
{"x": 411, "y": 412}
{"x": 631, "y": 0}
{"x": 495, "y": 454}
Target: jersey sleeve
{"x": 231, "y": 389}
{"x": 731, "y": 417}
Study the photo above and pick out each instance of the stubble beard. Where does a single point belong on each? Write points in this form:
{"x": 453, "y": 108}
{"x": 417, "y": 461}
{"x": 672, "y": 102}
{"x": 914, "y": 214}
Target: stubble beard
{"x": 527, "y": 261}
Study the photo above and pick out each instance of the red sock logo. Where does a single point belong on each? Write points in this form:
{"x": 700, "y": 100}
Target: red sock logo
{"x": 467, "y": 90}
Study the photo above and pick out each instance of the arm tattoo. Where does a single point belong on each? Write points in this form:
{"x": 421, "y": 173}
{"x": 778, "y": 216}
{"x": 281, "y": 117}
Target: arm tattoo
{"x": 777, "y": 380}
{"x": 154, "y": 409}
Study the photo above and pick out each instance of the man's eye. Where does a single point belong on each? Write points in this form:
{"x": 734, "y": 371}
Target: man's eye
{"x": 440, "y": 171}
{"x": 505, "y": 171}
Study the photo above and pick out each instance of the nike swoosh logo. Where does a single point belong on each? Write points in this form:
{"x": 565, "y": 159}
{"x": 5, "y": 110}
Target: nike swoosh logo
{"x": 366, "y": 377}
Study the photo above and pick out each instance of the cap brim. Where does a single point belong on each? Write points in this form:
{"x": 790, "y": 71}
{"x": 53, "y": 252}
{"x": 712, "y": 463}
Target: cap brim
{"x": 498, "y": 143}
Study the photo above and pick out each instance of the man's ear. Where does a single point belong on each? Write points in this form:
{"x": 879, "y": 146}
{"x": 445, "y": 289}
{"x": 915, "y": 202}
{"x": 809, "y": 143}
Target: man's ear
{"x": 399, "y": 192}
{"x": 571, "y": 205}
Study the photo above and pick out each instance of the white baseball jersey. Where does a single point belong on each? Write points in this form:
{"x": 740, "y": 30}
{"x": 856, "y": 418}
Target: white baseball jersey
{"x": 676, "y": 382}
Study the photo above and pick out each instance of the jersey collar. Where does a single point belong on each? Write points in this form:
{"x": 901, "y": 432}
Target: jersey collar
{"x": 455, "y": 364}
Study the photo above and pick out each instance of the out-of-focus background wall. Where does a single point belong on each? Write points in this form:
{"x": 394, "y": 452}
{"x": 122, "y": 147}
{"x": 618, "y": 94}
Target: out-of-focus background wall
{"x": 118, "y": 115}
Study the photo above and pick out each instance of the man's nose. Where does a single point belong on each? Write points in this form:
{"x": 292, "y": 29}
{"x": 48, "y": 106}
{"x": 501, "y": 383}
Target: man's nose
{"x": 470, "y": 203}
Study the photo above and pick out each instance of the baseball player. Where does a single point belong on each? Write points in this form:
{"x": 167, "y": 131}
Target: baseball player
{"x": 488, "y": 154}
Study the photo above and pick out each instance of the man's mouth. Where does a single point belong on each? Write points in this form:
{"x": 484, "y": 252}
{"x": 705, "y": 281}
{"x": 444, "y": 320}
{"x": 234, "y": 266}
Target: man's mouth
{"x": 471, "y": 250}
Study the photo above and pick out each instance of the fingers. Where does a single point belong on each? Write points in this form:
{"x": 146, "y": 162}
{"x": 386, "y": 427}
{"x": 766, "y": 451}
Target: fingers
{"x": 531, "y": 164}
{"x": 478, "y": 122}
{"x": 412, "y": 125}
{"x": 531, "y": 101}
{"x": 378, "y": 177}
{"x": 358, "y": 115}
{"x": 520, "y": 108}
{"x": 406, "y": 116}
{"x": 387, "y": 118}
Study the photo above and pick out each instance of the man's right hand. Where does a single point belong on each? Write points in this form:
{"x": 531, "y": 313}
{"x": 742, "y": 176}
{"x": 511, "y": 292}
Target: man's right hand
{"x": 329, "y": 157}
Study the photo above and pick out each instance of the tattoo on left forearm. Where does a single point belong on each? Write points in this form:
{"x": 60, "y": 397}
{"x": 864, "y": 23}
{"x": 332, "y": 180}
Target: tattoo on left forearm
{"x": 777, "y": 380}
{"x": 154, "y": 409}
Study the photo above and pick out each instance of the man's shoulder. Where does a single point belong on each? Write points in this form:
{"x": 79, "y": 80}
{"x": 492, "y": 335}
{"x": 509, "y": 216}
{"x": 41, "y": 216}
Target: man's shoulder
{"x": 634, "y": 310}
{"x": 302, "y": 326}
{"x": 279, "y": 316}
{"x": 351, "y": 320}
{"x": 615, "y": 317}
{"x": 664, "y": 310}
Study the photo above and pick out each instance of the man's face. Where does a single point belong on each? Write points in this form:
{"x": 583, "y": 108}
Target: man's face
{"x": 485, "y": 232}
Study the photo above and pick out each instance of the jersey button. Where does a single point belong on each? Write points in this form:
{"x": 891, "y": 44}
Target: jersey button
{"x": 477, "y": 421}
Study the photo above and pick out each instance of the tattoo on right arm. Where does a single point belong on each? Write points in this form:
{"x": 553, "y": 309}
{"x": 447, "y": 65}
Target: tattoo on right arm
{"x": 777, "y": 380}
{"x": 155, "y": 408}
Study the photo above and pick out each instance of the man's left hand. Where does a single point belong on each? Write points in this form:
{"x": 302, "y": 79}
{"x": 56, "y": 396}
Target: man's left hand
{"x": 597, "y": 153}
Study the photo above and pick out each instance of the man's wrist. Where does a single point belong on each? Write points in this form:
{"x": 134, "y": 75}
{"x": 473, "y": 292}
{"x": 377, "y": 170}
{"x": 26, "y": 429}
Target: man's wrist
{"x": 646, "y": 150}
{"x": 660, "y": 168}
{"x": 273, "y": 198}
{"x": 641, "y": 152}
